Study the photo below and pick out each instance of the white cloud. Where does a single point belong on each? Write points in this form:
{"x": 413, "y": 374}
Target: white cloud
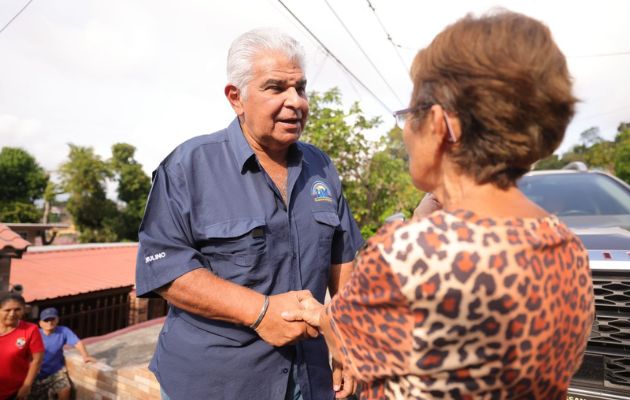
{"x": 151, "y": 73}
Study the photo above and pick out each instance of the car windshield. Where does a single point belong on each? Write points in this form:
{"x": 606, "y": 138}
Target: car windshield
{"x": 579, "y": 194}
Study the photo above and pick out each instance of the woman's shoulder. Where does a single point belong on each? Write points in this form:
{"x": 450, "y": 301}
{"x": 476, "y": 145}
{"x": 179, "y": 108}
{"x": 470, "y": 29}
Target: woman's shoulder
{"x": 27, "y": 326}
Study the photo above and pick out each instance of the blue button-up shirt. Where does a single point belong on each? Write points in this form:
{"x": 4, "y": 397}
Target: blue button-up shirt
{"x": 213, "y": 206}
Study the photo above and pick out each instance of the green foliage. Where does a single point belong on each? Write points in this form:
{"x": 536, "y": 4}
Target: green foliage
{"x": 387, "y": 185}
{"x": 622, "y": 152}
{"x": 373, "y": 174}
{"x": 551, "y": 162}
{"x": 22, "y": 182}
{"x": 133, "y": 188}
{"x": 84, "y": 177}
{"x": 612, "y": 156}
{"x": 601, "y": 155}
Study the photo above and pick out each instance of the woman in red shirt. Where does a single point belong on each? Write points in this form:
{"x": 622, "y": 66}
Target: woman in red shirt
{"x": 21, "y": 349}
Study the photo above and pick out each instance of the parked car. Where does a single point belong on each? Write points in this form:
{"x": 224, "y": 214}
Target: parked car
{"x": 596, "y": 206}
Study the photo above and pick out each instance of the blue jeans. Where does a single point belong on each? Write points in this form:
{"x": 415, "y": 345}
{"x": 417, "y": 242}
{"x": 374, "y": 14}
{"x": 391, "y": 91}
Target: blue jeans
{"x": 293, "y": 387}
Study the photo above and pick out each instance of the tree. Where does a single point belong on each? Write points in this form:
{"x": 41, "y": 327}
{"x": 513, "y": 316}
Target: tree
{"x": 601, "y": 155}
{"x": 22, "y": 182}
{"x": 387, "y": 184}
{"x": 551, "y": 162}
{"x": 590, "y": 136}
{"x": 374, "y": 174}
{"x": 622, "y": 152}
{"x": 84, "y": 177}
{"x": 133, "y": 188}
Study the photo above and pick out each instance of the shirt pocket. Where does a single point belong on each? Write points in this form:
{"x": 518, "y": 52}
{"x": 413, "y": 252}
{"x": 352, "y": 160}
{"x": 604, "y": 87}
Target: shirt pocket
{"x": 235, "y": 248}
{"x": 327, "y": 222}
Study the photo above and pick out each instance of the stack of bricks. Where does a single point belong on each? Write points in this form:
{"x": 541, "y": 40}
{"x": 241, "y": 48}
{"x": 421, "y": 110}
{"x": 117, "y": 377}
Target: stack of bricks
{"x": 138, "y": 309}
{"x": 99, "y": 381}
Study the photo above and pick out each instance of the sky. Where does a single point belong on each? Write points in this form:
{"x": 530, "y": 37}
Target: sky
{"x": 151, "y": 72}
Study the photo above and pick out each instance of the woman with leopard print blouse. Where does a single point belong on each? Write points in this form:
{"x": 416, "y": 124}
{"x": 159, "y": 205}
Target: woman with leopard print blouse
{"x": 490, "y": 297}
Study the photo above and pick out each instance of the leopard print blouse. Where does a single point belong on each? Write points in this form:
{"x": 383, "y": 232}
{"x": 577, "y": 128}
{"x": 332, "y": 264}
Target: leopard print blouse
{"x": 455, "y": 306}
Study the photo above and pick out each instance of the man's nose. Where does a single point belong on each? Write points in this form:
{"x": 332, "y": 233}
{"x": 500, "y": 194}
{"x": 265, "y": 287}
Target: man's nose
{"x": 294, "y": 99}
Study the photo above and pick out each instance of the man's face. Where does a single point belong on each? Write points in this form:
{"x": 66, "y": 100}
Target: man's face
{"x": 48, "y": 324}
{"x": 274, "y": 113}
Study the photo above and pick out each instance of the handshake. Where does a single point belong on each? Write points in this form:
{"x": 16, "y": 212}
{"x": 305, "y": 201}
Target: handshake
{"x": 290, "y": 317}
{"x": 295, "y": 316}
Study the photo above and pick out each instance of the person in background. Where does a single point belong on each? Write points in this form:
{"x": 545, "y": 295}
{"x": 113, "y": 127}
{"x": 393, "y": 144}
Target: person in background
{"x": 238, "y": 226}
{"x": 21, "y": 349}
{"x": 53, "y": 380}
{"x": 490, "y": 297}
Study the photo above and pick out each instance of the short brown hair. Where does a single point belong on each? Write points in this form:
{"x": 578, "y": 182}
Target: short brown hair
{"x": 508, "y": 83}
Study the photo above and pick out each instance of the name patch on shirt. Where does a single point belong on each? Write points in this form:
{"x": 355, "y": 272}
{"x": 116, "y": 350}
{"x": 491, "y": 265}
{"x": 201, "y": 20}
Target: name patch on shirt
{"x": 154, "y": 257}
{"x": 321, "y": 192}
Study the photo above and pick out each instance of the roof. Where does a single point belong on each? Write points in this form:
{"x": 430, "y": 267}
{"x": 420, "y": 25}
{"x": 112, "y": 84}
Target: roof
{"x": 35, "y": 225}
{"x": 56, "y": 271}
{"x": 11, "y": 244}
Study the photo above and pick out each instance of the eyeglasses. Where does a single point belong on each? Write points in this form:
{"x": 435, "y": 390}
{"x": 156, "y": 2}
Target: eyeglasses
{"x": 402, "y": 115}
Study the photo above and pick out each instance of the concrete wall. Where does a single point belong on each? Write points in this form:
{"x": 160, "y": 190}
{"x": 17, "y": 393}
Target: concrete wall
{"x": 99, "y": 381}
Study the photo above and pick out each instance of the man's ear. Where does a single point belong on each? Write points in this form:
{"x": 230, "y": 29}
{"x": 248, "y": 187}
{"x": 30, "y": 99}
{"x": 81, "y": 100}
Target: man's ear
{"x": 234, "y": 97}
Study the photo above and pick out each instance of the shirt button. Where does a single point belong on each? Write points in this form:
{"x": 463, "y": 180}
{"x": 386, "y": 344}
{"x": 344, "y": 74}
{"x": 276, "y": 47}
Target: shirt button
{"x": 285, "y": 370}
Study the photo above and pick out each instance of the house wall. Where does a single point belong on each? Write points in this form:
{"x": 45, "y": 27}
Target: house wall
{"x": 99, "y": 381}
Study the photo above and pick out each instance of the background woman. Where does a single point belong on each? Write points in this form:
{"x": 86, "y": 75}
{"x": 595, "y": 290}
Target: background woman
{"x": 21, "y": 349}
{"x": 490, "y": 297}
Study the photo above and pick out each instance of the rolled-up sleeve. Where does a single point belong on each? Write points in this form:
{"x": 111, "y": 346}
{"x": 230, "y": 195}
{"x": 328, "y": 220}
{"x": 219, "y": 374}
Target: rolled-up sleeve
{"x": 166, "y": 250}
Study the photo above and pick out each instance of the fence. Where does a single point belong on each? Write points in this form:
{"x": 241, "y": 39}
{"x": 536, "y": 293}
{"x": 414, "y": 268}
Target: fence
{"x": 94, "y": 313}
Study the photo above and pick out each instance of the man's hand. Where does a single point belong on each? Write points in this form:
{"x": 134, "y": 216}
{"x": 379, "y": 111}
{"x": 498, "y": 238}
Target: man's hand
{"x": 277, "y": 331}
{"x": 344, "y": 384}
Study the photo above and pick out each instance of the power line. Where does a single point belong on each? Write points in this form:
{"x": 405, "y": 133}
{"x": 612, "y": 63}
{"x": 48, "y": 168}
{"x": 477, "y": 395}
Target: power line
{"x": 15, "y": 16}
{"x": 363, "y": 51}
{"x": 389, "y": 37}
{"x": 621, "y": 53}
{"x": 346, "y": 69}
{"x": 616, "y": 110}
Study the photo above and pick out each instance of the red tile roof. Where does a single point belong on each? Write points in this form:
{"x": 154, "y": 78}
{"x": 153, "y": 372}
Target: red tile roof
{"x": 54, "y": 271}
{"x": 11, "y": 243}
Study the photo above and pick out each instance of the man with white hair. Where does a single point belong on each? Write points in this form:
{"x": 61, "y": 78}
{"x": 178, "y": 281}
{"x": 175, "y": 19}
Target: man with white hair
{"x": 239, "y": 226}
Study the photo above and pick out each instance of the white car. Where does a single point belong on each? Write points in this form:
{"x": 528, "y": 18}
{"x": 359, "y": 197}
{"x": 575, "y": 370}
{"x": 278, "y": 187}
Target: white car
{"x": 596, "y": 206}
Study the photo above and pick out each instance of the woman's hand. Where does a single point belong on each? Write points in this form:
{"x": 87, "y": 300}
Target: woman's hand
{"x": 344, "y": 384}
{"x": 23, "y": 393}
{"x": 427, "y": 206}
{"x": 311, "y": 313}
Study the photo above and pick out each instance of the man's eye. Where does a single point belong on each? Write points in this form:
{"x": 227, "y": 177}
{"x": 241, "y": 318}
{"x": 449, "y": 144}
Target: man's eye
{"x": 275, "y": 88}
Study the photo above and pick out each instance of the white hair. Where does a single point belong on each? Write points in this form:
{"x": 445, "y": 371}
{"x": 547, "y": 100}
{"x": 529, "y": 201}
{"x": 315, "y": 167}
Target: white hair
{"x": 248, "y": 45}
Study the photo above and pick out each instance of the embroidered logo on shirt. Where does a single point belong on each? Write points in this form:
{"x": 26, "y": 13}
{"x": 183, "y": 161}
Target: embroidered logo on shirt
{"x": 154, "y": 257}
{"x": 321, "y": 192}
{"x": 20, "y": 342}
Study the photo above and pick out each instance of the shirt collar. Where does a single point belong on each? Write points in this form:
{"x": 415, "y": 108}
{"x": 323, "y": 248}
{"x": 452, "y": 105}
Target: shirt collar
{"x": 243, "y": 151}
{"x": 240, "y": 147}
